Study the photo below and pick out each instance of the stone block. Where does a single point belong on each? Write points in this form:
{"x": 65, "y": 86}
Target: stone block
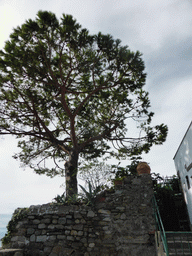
{"x": 90, "y": 214}
{"x": 103, "y": 223}
{"x": 78, "y": 227}
{"x": 102, "y": 211}
{"x": 41, "y": 226}
{"x": 67, "y": 232}
{"x": 83, "y": 240}
{"x": 92, "y": 235}
{"x": 51, "y": 226}
{"x": 47, "y": 250}
{"x": 46, "y": 221}
{"x": 36, "y": 221}
{"x": 32, "y": 238}
{"x": 21, "y": 231}
{"x": 31, "y": 217}
{"x": 61, "y": 220}
{"x": 77, "y": 215}
{"x": 61, "y": 237}
{"x": 55, "y": 217}
{"x": 49, "y": 243}
{"x": 56, "y": 250}
{"x": 73, "y": 232}
{"x": 121, "y": 209}
{"x": 51, "y": 238}
{"x": 15, "y": 238}
{"x": 77, "y": 245}
{"x": 59, "y": 226}
{"x": 9, "y": 252}
{"x": 41, "y": 238}
{"x": 38, "y": 232}
{"x": 18, "y": 254}
{"x": 80, "y": 233}
{"x": 44, "y": 232}
{"x": 91, "y": 245}
{"x": 83, "y": 221}
{"x": 107, "y": 219}
{"x": 70, "y": 238}
{"x": 19, "y": 225}
{"x": 30, "y": 231}
{"x": 123, "y": 216}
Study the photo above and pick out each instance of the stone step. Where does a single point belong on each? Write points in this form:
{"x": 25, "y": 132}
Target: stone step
{"x": 179, "y": 244}
{"x": 11, "y": 252}
{"x": 179, "y": 254}
{"x": 182, "y": 237}
{"x": 184, "y": 250}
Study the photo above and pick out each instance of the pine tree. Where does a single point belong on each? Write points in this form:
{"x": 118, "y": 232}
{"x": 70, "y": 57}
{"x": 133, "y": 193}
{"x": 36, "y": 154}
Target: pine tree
{"x": 67, "y": 94}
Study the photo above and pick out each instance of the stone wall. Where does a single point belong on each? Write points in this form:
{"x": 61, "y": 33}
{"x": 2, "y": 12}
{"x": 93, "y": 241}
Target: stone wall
{"x": 119, "y": 224}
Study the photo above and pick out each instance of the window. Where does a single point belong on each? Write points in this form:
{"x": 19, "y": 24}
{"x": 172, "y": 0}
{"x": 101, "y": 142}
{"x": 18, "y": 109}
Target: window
{"x": 188, "y": 183}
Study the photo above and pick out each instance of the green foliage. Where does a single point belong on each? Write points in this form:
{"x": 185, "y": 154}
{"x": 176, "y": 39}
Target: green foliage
{"x": 171, "y": 203}
{"x": 98, "y": 174}
{"x": 121, "y": 172}
{"x": 87, "y": 197}
{"x": 63, "y": 200}
{"x": 60, "y": 199}
{"x": 91, "y": 194}
{"x": 63, "y": 90}
{"x": 131, "y": 169}
{"x": 20, "y": 214}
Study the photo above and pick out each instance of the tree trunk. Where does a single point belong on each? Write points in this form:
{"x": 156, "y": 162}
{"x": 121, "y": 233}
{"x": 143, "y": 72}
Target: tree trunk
{"x": 71, "y": 167}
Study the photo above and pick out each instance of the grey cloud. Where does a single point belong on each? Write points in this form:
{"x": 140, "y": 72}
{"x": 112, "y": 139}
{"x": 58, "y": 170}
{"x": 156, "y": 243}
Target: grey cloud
{"x": 172, "y": 61}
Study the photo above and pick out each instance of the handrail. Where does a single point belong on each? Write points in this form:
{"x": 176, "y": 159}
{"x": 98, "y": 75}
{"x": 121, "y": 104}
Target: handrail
{"x": 159, "y": 225}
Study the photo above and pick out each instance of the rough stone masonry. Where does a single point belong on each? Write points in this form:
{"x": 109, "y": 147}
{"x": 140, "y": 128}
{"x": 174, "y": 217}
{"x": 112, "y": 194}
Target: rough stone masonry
{"x": 120, "y": 223}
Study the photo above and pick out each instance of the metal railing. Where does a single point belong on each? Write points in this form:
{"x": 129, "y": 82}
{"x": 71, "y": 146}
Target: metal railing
{"x": 161, "y": 240}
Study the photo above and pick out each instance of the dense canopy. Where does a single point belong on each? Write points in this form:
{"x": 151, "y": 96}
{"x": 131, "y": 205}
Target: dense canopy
{"x": 68, "y": 94}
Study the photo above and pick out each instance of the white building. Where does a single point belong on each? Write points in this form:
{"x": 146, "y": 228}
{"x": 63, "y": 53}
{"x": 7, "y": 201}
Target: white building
{"x": 183, "y": 164}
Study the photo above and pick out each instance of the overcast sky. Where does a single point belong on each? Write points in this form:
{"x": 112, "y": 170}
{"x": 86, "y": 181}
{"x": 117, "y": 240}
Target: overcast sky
{"x": 161, "y": 30}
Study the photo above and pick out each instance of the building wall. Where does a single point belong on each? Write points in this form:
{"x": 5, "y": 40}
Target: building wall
{"x": 120, "y": 223}
{"x": 183, "y": 165}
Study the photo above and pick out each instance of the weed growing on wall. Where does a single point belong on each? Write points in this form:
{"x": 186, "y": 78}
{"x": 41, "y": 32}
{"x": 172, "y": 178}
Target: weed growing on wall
{"x": 18, "y": 215}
